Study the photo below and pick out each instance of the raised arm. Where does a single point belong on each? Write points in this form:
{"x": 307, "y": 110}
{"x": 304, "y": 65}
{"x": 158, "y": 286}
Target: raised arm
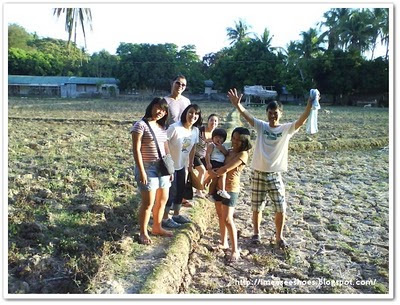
{"x": 235, "y": 100}
{"x": 303, "y": 117}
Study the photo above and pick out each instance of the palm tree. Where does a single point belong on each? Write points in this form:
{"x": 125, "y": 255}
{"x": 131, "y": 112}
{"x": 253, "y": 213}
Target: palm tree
{"x": 292, "y": 56}
{"x": 310, "y": 45}
{"x": 381, "y": 26}
{"x": 358, "y": 32}
{"x": 73, "y": 17}
{"x": 335, "y": 18}
{"x": 265, "y": 38}
{"x": 239, "y": 33}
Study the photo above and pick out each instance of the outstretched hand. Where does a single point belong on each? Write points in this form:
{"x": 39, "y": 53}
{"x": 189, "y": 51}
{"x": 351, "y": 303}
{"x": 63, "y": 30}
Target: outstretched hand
{"x": 234, "y": 97}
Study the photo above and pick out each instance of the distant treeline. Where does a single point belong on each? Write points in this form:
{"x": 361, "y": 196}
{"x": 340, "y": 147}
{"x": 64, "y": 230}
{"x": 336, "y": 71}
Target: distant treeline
{"x": 332, "y": 61}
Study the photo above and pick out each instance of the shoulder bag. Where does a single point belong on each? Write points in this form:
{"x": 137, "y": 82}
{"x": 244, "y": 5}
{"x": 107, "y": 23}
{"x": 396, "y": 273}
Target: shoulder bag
{"x": 167, "y": 164}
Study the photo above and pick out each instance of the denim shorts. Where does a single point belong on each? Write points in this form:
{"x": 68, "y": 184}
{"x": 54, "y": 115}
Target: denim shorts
{"x": 197, "y": 161}
{"x": 154, "y": 178}
{"x": 216, "y": 164}
{"x": 229, "y": 202}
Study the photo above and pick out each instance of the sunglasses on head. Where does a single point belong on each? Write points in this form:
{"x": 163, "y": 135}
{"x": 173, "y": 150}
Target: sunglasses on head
{"x": 180, "y": 84}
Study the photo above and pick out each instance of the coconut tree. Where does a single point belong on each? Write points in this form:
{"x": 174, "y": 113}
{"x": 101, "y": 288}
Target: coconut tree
{"x": 310, "y": 44}
{"x": 73, "y": 18}
{"x": 334, "y": 20}
{"x": 381, "y": 26}
{"x": 292, "y": 56}
{"x": 358, "y": 32}
{"x": 239, "y": 33}
{"x": 265, "y": 38}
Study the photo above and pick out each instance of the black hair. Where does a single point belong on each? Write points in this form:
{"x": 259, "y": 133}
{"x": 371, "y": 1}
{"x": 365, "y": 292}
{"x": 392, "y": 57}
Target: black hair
{"x": 274, "y": 105}
{"x": 164, "y": 106}
{"x": 211, "y": 115}
{"x": 244, "y": 134}
{"x": 196, "y": 107}
{"x": 219, "y": 132}
{"x": 178, "y": 77}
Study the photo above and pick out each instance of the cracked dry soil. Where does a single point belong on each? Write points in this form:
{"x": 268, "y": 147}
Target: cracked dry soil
{"x": 337, "y": 226}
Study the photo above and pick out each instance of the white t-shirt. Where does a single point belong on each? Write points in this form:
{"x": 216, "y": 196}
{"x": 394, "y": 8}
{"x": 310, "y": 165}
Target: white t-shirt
{"x": 217, "y": 155}
{"x": 180, "y": 143}
{"x": 175, "y": 108}
{"x": 272, "y": 145}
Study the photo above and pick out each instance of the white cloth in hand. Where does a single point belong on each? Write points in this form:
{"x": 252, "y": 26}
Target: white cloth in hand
{"x": 312, "y": 122}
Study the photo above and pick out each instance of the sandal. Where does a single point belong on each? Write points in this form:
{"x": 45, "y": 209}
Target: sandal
{"x": 255, "y": 239}
{"x": 282, "y": 244}
{"x": 187, "y": 204}
{"x": 170, "y": 223}
{"x": 143, "y": 240}
{"x": 233, "y": 259}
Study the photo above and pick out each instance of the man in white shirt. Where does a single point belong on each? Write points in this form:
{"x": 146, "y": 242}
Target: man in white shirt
{"x": 176, "y": 101}
{"x": 269, "y": 160}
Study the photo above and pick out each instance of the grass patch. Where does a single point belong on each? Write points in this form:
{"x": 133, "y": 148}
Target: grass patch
{"x": 269, "y": 262}
{"x": 319, "y": 269}
{"x": 334, "y": 227}
{"x": 380, "y": 288}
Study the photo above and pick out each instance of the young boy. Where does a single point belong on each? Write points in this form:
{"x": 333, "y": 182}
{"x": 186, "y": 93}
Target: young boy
{"x": 215, "y": 157}
{"x": 269, "y": 160}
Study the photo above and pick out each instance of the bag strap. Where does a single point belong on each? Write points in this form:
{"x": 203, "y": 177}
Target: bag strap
{"x": 154, "y": 138}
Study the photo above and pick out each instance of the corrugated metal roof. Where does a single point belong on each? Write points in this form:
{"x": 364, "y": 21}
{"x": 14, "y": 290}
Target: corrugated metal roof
{"x": 28, "y": 79}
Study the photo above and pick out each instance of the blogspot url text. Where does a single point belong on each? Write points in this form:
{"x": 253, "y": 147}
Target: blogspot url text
{"x": 296, "y": 282}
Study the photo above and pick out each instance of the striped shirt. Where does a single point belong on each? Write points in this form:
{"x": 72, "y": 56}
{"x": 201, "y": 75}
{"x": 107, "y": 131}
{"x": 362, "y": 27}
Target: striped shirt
{"x": 148, "y": 148}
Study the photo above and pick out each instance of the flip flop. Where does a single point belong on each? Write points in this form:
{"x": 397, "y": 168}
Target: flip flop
{"x": 187, "y": 204}
{"x": 233, "y": 259}
{"x": 142, "y": 240}
{"x": 164, "y": 233}
{"x": 255, "y": 239}
{"x": 282, "y": 244}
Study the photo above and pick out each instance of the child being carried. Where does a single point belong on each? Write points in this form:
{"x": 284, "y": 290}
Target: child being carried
{"x": 215, "y": 157}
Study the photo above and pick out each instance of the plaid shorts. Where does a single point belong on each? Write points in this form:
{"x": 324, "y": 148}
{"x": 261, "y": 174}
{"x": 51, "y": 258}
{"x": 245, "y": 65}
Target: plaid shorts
{"x": 271, "y": 183}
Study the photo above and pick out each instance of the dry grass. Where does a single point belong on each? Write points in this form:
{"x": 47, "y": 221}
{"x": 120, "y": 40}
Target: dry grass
{"x": 72, "y": 195}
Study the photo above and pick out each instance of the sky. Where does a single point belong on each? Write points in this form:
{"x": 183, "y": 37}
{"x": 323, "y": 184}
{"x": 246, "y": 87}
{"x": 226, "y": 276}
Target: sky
{"x": 201, "y": 24}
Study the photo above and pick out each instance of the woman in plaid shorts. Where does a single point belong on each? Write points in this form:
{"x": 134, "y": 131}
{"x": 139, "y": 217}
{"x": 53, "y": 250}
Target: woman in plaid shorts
{"x": 269, "y": 160}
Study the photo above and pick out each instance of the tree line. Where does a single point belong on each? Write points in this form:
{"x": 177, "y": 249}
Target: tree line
{"x": 331, "y": 57}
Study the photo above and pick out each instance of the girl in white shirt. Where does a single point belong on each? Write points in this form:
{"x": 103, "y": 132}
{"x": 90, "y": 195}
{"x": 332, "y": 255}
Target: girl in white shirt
{"x": 182, "y": 137}
{"x": 215, "y": 158}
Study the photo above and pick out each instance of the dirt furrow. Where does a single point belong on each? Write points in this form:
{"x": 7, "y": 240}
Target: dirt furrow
{"x": 337, "y": 227}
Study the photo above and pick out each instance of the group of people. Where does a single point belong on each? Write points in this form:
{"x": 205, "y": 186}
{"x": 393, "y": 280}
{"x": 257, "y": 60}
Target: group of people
{"x": 177, "y": 126}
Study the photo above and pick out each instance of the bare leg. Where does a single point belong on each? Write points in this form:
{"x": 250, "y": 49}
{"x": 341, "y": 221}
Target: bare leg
{"x": 158, "y": 212}
{"x": 227, "y": 215}
{"x": 202, "y": 171}
{"x": 222, "y": 182}
{"x": 212, "y": 187}
{"x": 144, "y": 215}
{"x": 279, "y": 224}
{"x": 222, "y": 226}
{"x": 257, "y": 218}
